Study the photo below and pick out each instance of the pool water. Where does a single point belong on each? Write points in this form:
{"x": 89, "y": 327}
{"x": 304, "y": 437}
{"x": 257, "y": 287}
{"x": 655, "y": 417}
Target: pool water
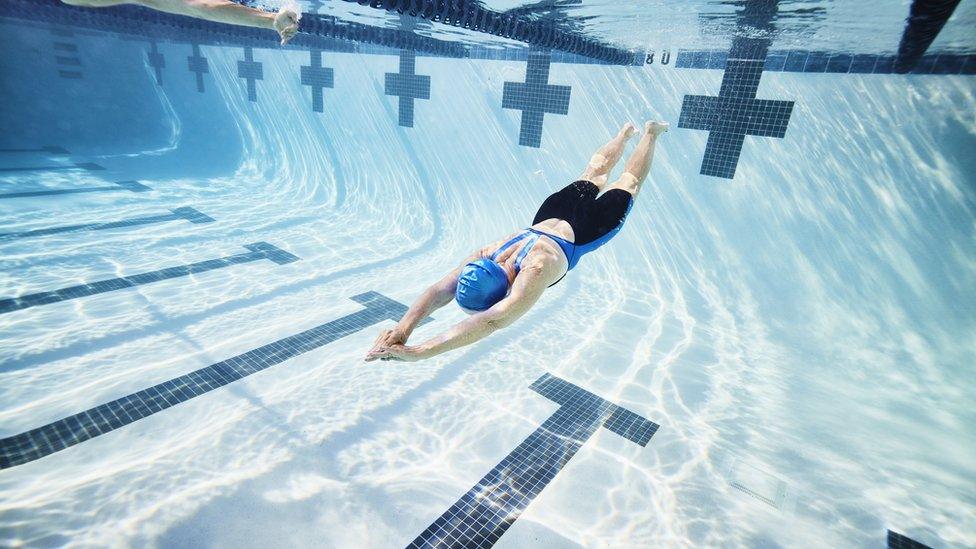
{"x": 775, "y": 351}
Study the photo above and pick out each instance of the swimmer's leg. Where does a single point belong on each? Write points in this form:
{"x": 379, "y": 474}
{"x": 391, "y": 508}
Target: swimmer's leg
{"x": 639, "y": 163}
{"x": 607, "y": 157}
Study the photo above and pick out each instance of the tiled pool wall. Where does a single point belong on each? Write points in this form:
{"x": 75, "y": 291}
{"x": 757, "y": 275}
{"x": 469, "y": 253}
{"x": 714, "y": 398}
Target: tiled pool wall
{"x": 730, "y": 115}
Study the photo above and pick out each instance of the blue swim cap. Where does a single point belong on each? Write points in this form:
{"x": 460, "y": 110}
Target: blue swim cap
{"x": 482, "y": 283}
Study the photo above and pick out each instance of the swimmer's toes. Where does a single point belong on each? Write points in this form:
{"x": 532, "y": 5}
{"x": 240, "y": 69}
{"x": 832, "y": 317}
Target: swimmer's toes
{"x": 655, "y": 127}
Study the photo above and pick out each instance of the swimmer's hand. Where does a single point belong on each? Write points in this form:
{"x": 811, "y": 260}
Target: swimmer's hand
{"x": 399, "y": 352}
{"x": 391, "y": 345}
{"x": 390, "y": 337}
{"x": 286, "y": 23}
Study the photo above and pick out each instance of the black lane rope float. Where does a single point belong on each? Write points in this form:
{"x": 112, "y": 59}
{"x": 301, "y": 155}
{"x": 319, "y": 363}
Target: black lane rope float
{"x": 469, "y": 15}
{"x": 323, "y": 31}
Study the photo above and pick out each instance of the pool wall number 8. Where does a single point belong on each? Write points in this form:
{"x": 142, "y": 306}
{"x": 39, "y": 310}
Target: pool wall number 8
{"x": 665, "y": 57}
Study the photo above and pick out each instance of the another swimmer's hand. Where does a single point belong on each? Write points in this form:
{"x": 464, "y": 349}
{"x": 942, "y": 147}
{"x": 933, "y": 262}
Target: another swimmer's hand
{"x": 286, "y": 23}
{"x": 404, "y": 353}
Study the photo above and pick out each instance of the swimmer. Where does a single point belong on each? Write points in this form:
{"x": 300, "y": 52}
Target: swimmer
{"x": 285, "y": 22}
{"x": 502, "y": 281}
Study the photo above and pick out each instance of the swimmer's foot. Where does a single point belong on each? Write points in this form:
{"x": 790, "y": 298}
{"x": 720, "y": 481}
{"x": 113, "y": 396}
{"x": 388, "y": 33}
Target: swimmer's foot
{"x": 286, "y": 23}
{"x": 628, "y": 130}
{"x": 656, "y": 128}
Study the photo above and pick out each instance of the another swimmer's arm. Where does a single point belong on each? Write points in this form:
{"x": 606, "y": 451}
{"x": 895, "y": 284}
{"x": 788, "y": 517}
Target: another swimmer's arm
{"x": 526, "y": 290}
{"x": 232, "y": 13}
{"x": 220, "y": 11}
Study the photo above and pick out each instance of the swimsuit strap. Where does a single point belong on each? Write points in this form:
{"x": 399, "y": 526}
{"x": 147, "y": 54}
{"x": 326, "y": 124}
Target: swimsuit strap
{"x": 568, "y": 248}
{"x": 505, "y": 246}
{"x": 525, "y": 251}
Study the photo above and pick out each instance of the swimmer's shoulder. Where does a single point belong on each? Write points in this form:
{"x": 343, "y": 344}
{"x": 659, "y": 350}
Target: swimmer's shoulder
{"x": 549, "y": 260}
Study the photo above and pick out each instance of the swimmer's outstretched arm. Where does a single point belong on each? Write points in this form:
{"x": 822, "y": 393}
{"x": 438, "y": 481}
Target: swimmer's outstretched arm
{"x": 439, "y": 294}
{"x": 219, "y": 11}
{"x": 526, "y": 290}
{"x": 436, "y": 296}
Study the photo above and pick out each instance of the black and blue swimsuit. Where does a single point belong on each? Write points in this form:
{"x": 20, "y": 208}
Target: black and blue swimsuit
{"x": 594, "y": 220}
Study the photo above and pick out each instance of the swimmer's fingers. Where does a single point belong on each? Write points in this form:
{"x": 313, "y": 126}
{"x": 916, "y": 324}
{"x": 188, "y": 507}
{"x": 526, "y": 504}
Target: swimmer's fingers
{"x": 389, "y": 337}
{"x": 395, "y": 351}
{"x": 380, "y": 353}
{"x": 382, "y": 338}
{"x": 383, "y": 350}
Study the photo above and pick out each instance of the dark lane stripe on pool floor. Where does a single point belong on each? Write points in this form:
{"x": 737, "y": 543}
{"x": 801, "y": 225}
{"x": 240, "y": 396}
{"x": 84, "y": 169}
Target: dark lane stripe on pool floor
{"x": 259, "y": 250}
{"x": 50, "y": 149}
{"x": 187, "y": 213}
{"x": 61, "y": 434}
{"x": 133, "y": 186}
{"x": 899, "y": 541}
{"x": 89, "y": 166}
{"x": 488, "y": 509}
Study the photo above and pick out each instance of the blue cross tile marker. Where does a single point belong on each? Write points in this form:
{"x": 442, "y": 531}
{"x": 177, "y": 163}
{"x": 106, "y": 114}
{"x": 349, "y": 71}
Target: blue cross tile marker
{"x": 489, "y": 508}
{"x": 133, "y": 186}
{"x": 535, "y": 97}
{"x": 185, "y": 213}
{"x": 735, "y": 112}
{"x": 64, "y": 433}
{"x": 732, "y": 115}
{"x": 198, "y": 65}
{"x": 257, "y": 251}
{"x": 407, "y": 85}
{"x": 156, "y": 61}
{"x": 252, "y": 71}
{"x": 318, "y": 77}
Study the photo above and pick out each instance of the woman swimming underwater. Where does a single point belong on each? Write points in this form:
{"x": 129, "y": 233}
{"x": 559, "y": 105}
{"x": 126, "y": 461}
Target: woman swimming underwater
{"x": 502, "y": 281}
